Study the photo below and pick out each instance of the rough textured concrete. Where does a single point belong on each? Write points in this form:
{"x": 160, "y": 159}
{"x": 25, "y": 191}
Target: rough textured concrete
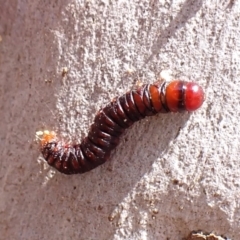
{"x": 171, "y": 173}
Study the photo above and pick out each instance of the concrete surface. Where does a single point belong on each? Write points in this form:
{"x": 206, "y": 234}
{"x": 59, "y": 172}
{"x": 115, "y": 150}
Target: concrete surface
{"x": 60, "y": 61}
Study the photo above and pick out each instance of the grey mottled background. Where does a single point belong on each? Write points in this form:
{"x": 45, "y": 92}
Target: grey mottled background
{"x": 171, "y": 173}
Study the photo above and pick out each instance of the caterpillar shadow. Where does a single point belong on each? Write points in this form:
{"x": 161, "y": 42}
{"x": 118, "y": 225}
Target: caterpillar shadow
{"x": 105, "y": 187}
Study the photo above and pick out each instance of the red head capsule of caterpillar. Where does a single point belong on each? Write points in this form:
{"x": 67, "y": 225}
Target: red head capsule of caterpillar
{"x": 183, "y": 96}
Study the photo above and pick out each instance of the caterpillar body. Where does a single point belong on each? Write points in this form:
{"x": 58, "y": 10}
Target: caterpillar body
{"x": 113, "y": 119}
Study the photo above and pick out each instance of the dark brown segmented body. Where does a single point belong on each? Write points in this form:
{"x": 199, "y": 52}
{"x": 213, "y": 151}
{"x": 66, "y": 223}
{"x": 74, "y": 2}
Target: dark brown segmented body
{"x": 112, "y": 120}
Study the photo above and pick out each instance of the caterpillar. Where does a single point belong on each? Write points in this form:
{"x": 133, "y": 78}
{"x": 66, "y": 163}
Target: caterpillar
{"x": 112, "y": 120}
